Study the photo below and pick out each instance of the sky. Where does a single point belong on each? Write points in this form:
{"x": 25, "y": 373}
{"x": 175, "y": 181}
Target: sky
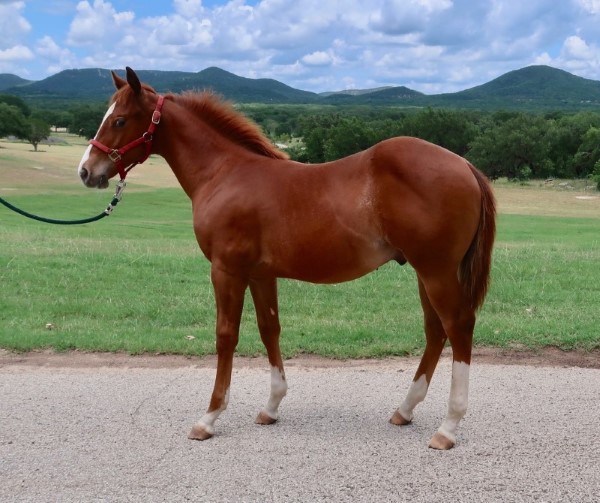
{"x": 432, "y": 46}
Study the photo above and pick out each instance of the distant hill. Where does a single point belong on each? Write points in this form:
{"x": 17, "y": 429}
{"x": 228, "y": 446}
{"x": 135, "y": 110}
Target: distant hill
{"x": 89, "y": 83}
{"x": 388, "y": 95}
{"x": 96, "y": 85}
{"x": 530, "y": 88}
{"x": 244, "y": 90}
{"x": 353, "y": 92}
{"x": 8, "y": 80}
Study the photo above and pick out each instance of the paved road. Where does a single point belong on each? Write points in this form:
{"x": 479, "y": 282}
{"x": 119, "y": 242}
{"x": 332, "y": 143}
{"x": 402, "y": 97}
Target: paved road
{"x": 118, "y": 434}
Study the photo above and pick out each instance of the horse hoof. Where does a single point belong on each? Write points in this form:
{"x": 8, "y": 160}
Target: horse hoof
{"x": 399, "y": 420}
{"x": 440, "y": 442}
{"x": 264, "y": 418}
{"x": 199, "y": 432}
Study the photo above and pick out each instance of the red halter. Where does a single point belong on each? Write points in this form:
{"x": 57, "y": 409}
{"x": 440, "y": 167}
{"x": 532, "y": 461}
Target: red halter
{"x": 115, "y": 155}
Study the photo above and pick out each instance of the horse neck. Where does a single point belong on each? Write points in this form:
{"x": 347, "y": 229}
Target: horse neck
{"x": 192, "y": 149}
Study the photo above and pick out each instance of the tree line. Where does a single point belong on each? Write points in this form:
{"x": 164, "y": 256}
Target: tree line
{"x": 515, "y": 145}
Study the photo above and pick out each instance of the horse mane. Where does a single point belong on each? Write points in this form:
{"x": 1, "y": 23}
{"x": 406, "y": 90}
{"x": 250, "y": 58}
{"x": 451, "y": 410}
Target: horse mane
{"x": 221, "y": 116}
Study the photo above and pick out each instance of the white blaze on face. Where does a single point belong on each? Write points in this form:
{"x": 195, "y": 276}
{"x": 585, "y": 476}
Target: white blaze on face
{"x": 86, "y": 154}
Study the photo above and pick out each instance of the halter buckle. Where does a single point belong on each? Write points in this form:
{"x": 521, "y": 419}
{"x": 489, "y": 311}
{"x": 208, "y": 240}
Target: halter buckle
{"x": 114, "y": 155}
{"x": 156, "y": 116}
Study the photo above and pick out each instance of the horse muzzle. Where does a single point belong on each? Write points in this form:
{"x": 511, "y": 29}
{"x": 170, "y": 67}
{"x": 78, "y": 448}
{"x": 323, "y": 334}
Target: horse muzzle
{"x": 93, "y": 181}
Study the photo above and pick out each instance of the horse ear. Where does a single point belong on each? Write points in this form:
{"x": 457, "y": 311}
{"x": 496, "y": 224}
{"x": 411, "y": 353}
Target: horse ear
{"x": 133, "y": 81}
{"x": 118, "y": 81}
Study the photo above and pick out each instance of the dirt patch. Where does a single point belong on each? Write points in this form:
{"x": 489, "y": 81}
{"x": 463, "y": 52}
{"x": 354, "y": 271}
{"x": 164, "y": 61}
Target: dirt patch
{"x": 545, "y": 357}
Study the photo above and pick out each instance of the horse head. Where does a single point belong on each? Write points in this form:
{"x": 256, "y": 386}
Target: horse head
{"x": 124, "y": 138}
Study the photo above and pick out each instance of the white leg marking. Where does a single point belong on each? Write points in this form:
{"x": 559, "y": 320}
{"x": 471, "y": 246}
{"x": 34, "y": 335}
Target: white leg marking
{"x": 416, "y": 394}
{"x": 278, "y": 391}
{"x": 86, "y": 154}
{"x": 207, "y": 421}
{"x": 457, "y": 405}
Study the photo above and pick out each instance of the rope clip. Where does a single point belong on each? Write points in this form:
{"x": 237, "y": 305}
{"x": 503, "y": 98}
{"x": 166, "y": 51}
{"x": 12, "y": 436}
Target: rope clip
{"x": 121, "y": 184}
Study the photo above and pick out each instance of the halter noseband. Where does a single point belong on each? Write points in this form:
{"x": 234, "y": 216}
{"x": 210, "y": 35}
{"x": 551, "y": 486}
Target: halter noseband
{"x": 115, "y": 154}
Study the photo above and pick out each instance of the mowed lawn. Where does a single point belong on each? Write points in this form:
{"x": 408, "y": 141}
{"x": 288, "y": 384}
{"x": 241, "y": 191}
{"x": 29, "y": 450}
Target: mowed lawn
{"x": 137, "y": 282}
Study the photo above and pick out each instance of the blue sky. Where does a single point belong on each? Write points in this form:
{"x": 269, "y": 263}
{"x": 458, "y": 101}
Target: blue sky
{"x": 318, "y": 45}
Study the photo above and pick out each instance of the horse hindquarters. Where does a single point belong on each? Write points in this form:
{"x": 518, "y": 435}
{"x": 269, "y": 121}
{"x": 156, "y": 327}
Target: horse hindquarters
{"x": 452, "y": 288}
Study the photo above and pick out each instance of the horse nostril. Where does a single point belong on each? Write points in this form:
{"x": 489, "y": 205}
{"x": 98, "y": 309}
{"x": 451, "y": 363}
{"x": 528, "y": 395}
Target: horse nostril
{"x": 83, "y": 173}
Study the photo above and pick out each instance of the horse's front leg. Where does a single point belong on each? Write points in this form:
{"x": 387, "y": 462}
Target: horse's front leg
{"x": 229, "y": 295}
{"x": 264, "y": 294}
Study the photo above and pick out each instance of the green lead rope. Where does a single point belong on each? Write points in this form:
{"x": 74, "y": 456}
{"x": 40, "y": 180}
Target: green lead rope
{"x": 109, "y": 209}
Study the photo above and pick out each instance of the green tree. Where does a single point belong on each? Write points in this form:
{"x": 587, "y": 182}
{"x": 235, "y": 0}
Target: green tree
{"x": 12, "y": 121}
{"x": 314, "y": 129}
{"x": 451, "y": 129}
{"x": 596, "y": 174}
{"x": 15, "y": 101}
{"x": 55, "y": 118}
{"x": 86, "y": 120}
{"x": 388, "y": 128}
{"x": 38, "y": 130}
{"x": 516, "y": 148}
{"x": 565, "y": 135}
{"x": 588, "y": 154}
{"x": 349, "y": 136}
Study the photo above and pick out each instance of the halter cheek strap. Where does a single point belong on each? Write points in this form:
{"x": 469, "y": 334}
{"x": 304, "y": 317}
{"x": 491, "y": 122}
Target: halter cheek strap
{"x": 116, "y": 154}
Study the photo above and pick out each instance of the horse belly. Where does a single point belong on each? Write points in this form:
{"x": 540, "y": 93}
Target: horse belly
{"x": 331, "y": 261}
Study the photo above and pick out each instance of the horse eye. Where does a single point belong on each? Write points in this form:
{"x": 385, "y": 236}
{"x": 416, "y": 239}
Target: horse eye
{"x": 119, "y": 122}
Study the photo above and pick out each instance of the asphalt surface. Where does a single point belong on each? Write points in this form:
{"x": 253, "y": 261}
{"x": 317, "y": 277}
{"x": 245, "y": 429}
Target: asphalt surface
{"x": 118, "y": 434}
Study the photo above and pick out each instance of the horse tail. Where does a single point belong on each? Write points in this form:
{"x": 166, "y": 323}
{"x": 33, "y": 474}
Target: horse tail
{"x": 474, "y": 269}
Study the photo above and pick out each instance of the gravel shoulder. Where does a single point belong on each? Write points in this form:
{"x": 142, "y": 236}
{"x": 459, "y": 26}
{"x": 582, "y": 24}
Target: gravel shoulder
{"x": 93, "y": 427}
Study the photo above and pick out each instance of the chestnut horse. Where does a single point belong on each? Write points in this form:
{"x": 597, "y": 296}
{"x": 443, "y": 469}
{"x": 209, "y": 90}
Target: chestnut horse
{"x": 259, "y": 216}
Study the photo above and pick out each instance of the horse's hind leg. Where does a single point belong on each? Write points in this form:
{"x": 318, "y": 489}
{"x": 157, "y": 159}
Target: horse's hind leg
{"x": 264, "y": 295}
{"x": 436, "y": 338}
{"x": 458, "y": 320}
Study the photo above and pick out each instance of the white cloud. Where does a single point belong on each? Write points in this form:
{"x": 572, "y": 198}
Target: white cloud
{"x": 317, "y": 58}
{"x": 399, "y": 17}
{"x": 16, "y": 53}
{"x": 577, "y": 48}
{"x": 429, "y": 45}
{"x": 591, "y": 6}
{"x": 580, "y": 57}
{"x": 55, "y": 58}
{"x": 97, "y": 23}
{"x": 188, "y": 8}
{"x": 48, "y": 48}
{"x": 13, "y": 25}
{"x": 577, "y": 56}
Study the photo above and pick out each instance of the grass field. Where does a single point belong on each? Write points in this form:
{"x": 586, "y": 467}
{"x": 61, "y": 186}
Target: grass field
{"x": 137, "y": 282}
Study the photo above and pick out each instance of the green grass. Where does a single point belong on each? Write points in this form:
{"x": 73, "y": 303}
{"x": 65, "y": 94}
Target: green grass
{"x": 546, "y": 284}
{"x": 137, "y": 282}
